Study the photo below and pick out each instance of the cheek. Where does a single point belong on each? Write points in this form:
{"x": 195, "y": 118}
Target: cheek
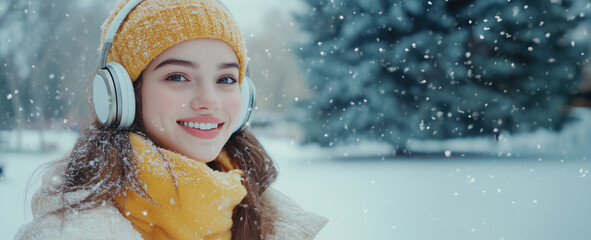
{"x": 233, "y": 104}
{"x": 158, "y": 105}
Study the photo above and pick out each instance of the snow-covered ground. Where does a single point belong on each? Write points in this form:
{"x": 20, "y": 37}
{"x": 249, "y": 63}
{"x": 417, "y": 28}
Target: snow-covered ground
{"x": 433, "y": 197}
{"x": 529, "y": 186}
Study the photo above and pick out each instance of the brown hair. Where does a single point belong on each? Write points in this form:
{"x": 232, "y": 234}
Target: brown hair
{"x": 102, "y": 162}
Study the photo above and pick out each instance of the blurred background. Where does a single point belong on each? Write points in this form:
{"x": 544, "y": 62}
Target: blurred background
{"x": 396, "y": 119}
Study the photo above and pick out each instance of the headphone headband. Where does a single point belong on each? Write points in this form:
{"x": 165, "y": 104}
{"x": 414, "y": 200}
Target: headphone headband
{"x": 114, "y": 27}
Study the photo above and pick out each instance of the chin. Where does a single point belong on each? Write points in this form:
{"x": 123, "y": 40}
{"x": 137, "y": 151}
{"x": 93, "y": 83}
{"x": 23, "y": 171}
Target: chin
{"x": 205, "y": 158}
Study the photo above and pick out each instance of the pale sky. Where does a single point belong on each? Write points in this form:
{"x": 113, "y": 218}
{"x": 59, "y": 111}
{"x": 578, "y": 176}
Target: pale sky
{"x": 250, "y": 13}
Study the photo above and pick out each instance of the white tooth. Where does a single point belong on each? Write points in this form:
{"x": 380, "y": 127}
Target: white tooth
{"x": 185, "y": 123}
{"x": 215, "y": 125}
{"x": 191, "y": 124}
{"x": 202, "y": 126}
{"x": 208, "y": 126}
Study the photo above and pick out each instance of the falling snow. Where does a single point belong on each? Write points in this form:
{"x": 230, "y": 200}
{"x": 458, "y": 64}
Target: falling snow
{"x": 451, "y": 116}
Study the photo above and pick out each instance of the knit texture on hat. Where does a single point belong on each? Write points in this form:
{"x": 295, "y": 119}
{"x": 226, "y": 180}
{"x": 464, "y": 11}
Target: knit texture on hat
{"x": 156, "y": 25}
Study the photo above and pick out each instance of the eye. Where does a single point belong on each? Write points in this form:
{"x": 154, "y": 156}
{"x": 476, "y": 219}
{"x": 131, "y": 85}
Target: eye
{"x": 227, "y": 80}
{"x": 177, "y": 77}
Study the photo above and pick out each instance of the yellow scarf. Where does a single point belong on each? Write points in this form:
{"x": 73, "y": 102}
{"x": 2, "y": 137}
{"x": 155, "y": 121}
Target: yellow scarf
{"x": 195, "y": 202}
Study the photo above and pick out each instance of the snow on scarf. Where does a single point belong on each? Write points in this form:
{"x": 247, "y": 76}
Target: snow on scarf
{"x": 190, "y": 200}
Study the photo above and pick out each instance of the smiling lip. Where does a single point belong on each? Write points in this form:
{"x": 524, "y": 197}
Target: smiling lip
{"x": 204, "y": 127}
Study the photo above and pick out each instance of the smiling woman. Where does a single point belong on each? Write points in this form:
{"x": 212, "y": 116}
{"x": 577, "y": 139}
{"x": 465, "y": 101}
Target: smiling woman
{"x": 169, "y": 155}
{"x": 192, "y": 87}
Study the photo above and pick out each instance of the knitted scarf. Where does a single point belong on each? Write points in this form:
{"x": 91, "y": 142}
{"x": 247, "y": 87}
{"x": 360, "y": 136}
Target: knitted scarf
{"x": 190, "y": 200}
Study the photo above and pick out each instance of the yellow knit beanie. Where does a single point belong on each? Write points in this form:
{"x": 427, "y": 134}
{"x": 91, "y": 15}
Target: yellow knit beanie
{"x": 156, "y": 25}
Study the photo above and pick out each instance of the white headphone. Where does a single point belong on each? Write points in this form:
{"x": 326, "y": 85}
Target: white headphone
{"x": 112, "y": 90}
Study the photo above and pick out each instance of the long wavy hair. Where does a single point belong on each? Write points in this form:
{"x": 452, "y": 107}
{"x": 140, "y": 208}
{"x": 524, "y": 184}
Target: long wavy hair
{"x": 102, "y": 163}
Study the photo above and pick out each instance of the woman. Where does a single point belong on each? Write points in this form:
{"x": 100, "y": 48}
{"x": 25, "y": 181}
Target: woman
{"x": 174, "y": 161}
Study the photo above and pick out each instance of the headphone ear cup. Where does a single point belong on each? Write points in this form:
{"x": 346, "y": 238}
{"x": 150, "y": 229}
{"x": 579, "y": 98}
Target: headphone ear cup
{"x": 103, "y": 97}
{"x": 248, "y": 93}
{"x": 113, "y": 96}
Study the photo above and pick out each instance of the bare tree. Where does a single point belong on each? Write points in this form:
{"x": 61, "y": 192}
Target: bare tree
{"x": 44, "y": 52}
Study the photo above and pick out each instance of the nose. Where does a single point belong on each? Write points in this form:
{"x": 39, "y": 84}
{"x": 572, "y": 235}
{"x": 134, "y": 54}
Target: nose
{"x": 205, "y": 98}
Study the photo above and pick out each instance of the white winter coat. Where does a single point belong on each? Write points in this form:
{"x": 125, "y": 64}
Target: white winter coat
{"x": 289, "y": 220}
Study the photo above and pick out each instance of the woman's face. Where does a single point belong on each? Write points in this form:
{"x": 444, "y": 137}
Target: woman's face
{"x": 191, "y": 98}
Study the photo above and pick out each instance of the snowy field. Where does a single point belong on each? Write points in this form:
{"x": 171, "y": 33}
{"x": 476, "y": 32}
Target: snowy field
{"x": 429, "y": 197}
{"x": 530, "y": 186}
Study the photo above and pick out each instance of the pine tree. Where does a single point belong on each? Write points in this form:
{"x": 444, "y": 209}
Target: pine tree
{"x": 524, "y": 60}
{"x": 392, "y": 70}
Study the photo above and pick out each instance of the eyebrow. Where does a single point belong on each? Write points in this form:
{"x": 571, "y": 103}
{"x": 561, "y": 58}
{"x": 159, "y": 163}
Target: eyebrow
{"x": 228, "y": 65}
{"x": 174, "y": 61}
